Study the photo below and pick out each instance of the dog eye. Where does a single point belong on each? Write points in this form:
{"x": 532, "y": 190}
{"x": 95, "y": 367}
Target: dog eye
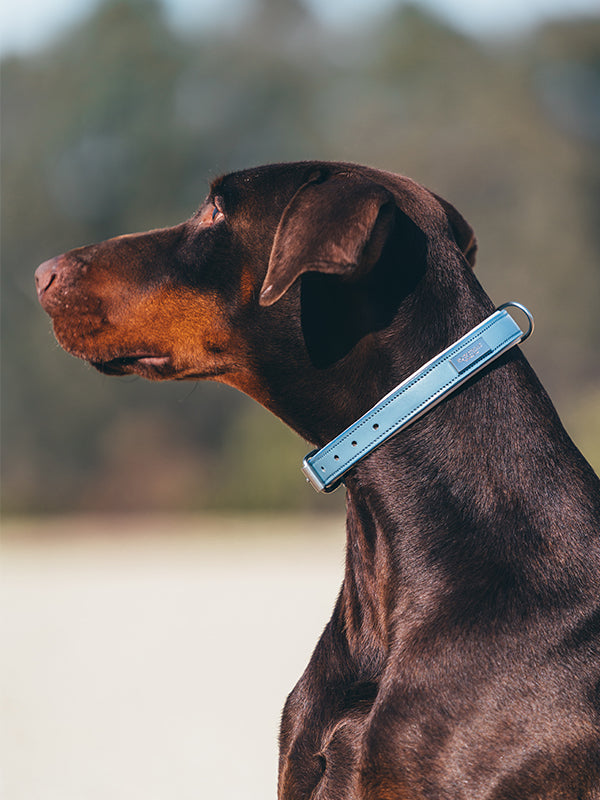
{"x": 217, "y": 214}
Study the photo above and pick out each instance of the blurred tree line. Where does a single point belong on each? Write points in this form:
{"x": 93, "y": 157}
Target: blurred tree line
{"x": 119, "y": 126}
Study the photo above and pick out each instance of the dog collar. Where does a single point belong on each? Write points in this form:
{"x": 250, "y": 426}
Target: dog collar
{"x": 412, "y": 398}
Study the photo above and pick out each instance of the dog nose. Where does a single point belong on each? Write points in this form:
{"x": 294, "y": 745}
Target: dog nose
{"x": 45, "y": 275}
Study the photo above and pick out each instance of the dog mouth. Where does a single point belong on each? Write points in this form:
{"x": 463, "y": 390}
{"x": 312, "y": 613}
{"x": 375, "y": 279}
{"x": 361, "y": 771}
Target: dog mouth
{"x": 155, "y": 367}
{"x": 139, "y": 363}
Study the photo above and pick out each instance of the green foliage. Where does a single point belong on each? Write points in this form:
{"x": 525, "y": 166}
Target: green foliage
{"x": 116, "y": 128}
{"x": 260, "y": 467}
{"x": 582, "y": 420}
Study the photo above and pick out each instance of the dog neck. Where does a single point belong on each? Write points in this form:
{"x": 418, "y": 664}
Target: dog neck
{"x": 468, "y": 509}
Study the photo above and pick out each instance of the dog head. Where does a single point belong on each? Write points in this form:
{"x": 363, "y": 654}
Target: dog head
{"x": 285, "y": 270}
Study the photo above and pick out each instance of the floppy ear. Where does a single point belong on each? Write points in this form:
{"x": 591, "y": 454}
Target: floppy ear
{"x": 338, "y": 226}
{"x": 464, "y": 235}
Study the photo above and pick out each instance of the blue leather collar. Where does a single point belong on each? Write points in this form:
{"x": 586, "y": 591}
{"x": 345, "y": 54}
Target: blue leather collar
{"x": 415, "y": 396}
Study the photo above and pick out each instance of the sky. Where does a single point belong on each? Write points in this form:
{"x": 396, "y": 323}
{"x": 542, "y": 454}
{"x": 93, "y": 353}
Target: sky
{"x": 27, "y": 24}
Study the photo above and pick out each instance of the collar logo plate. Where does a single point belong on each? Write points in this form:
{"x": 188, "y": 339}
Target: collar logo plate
{"x": 473, "y": 352}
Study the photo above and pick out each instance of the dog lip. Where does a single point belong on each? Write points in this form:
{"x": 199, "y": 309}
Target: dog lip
{"x": 121, "y": 365}
{"x": 153, "y": 361}
{"x": 150, "y": 367}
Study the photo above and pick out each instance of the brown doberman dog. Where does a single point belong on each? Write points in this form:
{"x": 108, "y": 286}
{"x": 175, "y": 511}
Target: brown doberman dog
{"x": 462, "y": 660}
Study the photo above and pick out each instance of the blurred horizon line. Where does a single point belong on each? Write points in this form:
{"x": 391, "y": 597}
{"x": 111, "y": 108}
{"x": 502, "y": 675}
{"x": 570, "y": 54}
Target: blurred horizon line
{"x": 24, "y": 33}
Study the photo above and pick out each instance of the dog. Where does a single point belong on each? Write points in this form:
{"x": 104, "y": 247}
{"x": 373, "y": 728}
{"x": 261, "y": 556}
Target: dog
{"x": 462, "y": 658}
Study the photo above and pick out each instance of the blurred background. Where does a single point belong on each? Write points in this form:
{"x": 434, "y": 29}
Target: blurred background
{"x": 124, "y": 631}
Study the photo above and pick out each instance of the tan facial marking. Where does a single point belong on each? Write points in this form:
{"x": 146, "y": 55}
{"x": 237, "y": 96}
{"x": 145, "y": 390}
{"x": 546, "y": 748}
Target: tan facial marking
{"x": 191, "y": 328}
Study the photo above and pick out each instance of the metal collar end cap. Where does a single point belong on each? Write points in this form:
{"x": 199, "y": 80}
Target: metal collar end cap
{"x": 314, "y": 479}
{"x": 311, "y": 476}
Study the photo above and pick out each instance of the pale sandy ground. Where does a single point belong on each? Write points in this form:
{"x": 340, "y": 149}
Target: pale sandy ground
{"x": 150, "y": 658}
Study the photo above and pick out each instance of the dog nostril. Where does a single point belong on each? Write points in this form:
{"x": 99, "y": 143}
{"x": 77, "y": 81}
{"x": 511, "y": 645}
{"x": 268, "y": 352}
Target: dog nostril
{"x": 49, "y": 283}
{"x": 45, "y": 276}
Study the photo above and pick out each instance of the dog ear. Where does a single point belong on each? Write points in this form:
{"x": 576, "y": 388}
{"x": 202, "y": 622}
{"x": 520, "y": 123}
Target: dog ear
{"x": 464, "y": 235}
{"x": 337, "y": 226}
